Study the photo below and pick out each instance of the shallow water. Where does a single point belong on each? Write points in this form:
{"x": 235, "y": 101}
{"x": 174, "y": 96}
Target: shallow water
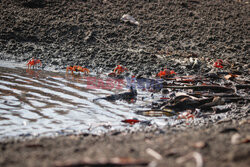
{"x": 44, "y": 103}
{"x": 36, "y": 102}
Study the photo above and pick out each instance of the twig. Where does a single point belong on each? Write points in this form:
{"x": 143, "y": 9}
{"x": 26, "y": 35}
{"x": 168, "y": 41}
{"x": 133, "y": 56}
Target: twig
{"x": 227, "y": 97}
{"x": 153, "y": 153}
{"x": 216, "y": 101}
{"x": 235, "y": 99}
{"x": 242, "y": 86}
{"x": 218, "y": 94}
{"x": 201, "y": 87}
{"x": 197, "y": 156}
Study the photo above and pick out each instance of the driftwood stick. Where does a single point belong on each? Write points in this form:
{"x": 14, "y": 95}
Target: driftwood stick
{"x": 246, "y": 86}
{"x": 227, "y": 97}
{"x": 202, "y": 87}
{"x": 213, "y": 94}
{"x": 235, "y": 99}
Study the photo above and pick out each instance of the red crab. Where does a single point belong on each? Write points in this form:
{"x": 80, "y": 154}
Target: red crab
{"x": 120, "y": 69}
{"x": 33, "y": 62}
{"x": 117, "y": 71}
{"x": 77, "y": 68}
{"x": 165, "y": 73}
{"x": 218, "y": 63}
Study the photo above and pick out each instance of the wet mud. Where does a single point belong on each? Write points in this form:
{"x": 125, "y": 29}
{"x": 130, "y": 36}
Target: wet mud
{"x": 92, "y": 34}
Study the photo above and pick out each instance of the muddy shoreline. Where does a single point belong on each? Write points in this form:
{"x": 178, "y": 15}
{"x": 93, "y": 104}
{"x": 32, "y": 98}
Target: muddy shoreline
{"x": 212, "y": 142}
{"x": 186, "y": 36}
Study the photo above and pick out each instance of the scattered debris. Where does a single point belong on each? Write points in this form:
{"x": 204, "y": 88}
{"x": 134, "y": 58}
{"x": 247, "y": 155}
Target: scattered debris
{"x": 224, "y": 120}
{"x": 215, "y": 102}
{"x": 230, "y": 76}
{"x": 131, "y": 121}
{"x": 134, "y": 121}
{"x": 197, "y": 156}
{"x": 185, "y": 95}
{"x": 127, "y": 96}
{"x": 130, "y": 19}
{"x": 172, "y": 152}
{"x": 200, "y": 144}
{"x": 246, "y": 86}
{"x": 221, "y": 108}
{"x": 214, "y": 88}
{"x": 238, "y": 139}
{"x": 245, "y": 121}
{"x": 34, "y": 145}
{"x": 235, "y": 139}
{"x": 154, "y": 154}
{"x": 246, "y": 140}
{"x": 187, "y": 102}
{"x": 156, "y": 113}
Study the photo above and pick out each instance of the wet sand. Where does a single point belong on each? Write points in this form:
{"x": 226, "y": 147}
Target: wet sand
{"x": 212, "y": 143}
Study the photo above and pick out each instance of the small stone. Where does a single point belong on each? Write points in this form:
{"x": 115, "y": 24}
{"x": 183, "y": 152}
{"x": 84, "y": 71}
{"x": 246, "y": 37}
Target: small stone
{"x": 236, "y": 138}
{"x": 245, "y": 121}
{"x": 200, "y": 144}
{"x": 130, "y": 19}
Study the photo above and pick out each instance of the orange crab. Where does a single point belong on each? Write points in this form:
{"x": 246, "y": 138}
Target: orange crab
{"x": 33, "y": 62}
{"x": 165, "y": 73}
{"x": 120, "y": 69}
{"x": 77, "y": 69}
